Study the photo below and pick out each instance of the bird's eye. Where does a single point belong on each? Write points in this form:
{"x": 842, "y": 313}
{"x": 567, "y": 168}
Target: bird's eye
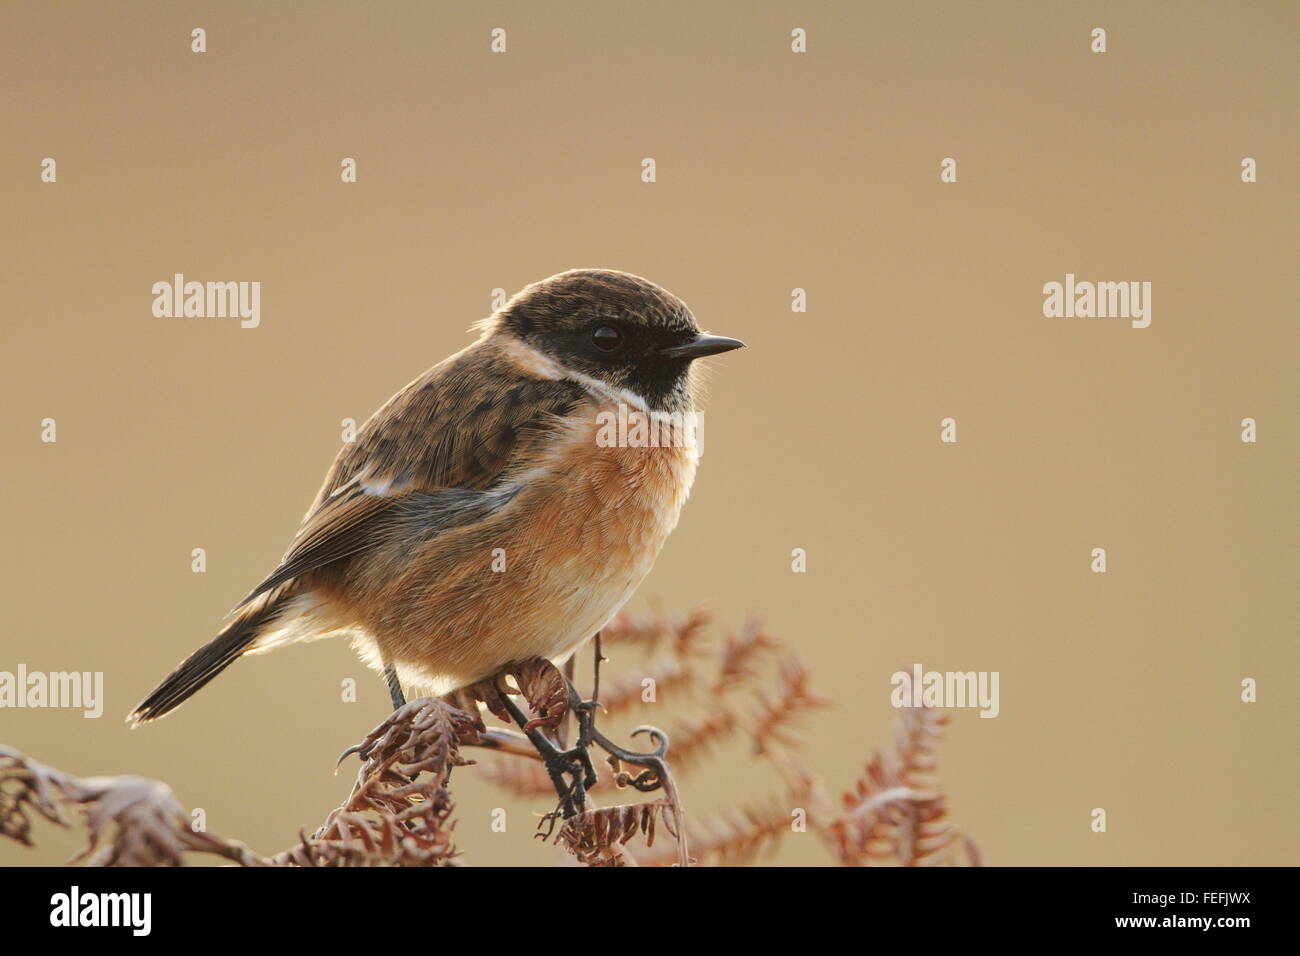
{"x": 607, "y": 338}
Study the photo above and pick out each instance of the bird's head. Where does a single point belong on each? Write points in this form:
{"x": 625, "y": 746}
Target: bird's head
{"x": 614, "y": 327}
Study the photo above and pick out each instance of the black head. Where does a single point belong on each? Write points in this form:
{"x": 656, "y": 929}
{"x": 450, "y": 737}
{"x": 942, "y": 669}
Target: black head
{"x": 615, "y": 327}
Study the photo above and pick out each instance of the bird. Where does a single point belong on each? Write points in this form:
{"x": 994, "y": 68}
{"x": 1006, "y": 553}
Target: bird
{"x": 490, "y": 512}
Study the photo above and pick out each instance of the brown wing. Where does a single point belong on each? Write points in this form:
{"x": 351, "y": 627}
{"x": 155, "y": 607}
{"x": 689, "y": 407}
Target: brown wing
{"x": 452, "y": 432}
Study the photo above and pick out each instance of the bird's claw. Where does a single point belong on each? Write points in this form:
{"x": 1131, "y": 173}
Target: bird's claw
{"x": 345, "y": 755}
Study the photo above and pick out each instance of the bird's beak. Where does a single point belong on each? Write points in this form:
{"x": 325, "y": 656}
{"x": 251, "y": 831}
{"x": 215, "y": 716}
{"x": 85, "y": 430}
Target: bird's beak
{"x": 702, "y": 345}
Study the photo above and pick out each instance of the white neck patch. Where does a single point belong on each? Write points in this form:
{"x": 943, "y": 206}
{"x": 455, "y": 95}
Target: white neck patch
{"x": 537, "y": 363}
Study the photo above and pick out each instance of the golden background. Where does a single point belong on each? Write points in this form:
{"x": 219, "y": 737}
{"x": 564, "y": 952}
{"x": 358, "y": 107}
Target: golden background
{"x": 775, "y": 171}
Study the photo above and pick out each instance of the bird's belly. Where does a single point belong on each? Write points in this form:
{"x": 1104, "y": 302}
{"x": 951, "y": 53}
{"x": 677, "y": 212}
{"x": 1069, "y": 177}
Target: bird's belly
{"x": 543, "y": 575}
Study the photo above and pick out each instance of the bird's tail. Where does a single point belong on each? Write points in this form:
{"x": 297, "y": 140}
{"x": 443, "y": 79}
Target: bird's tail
{"x": 203, "y": 665}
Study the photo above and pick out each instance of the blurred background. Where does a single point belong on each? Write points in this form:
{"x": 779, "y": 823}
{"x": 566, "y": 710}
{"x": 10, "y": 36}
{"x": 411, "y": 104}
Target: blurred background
{"x": 775, "y": 171}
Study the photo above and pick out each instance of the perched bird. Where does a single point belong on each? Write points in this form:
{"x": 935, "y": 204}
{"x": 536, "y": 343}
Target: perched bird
{"x": 484, "y": 516}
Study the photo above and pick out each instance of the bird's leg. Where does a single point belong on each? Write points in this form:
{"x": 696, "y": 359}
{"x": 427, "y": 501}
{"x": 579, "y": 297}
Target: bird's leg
{"x": 394, "y": 692}
{"x": 655, "y": 774}
{"x": 394, "y": 686}
{"x": 558, "y": 763}
{"x": 585, "y": 712}
{"x": 586, "y": 709}
{"x": 588, "y": 735}
{"x": 562, "y": 731}
{"x": 656, "y": 769}
{"x": 560, "y": 760}
{"x": 580, "y": 753}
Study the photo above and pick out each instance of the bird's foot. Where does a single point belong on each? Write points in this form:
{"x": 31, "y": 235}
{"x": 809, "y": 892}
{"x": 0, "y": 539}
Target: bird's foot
{"x": 570, "y": 770}
{"x": 654, "y": 762}
{"x": 654, "y": 774}
{"x": 552, "y": 697}
{"x": 395, "y": 694}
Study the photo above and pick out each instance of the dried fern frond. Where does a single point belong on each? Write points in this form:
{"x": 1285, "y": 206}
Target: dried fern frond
{"x": 596, "y": 837}
{"x": 139, "y": 821}
{"x": 358, "y": 839}
{"x": 625, "y": 692}
{"x": 523, "y": 778}
{"x": 774, "y": 726}
{"x": 741, "y": 654}
{"x": 540, "y": 684}
{"x": 624, "y": 629}
{"x": 734, "y": 835}
{"x": 391, "y": 817}
{"x": 731, "y": 836}
{"x": 695, "y": 737}
{"x": 467, "y": 699}
{"x": 653, "y": 631}
{"x": 28, "y": 787}
{"x": 686, "y": 631}
{"x": 399, "y": 810}
{"x": 545, "y": 690}
{"x": 896, "y": 812}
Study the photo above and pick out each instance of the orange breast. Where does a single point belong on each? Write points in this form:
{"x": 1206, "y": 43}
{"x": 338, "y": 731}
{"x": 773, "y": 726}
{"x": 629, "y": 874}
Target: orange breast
{"x": 543, "y": 574}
